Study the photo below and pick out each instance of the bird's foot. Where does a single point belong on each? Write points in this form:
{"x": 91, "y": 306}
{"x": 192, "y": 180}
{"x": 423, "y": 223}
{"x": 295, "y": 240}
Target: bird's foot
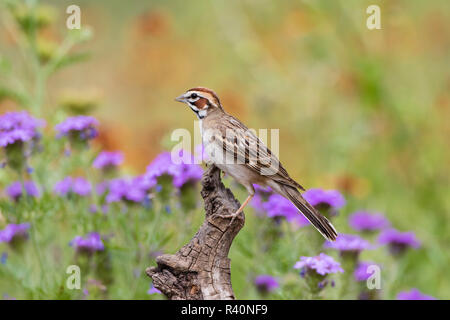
{"x": 236, "y": 214}
{"x": 233, "y": 216}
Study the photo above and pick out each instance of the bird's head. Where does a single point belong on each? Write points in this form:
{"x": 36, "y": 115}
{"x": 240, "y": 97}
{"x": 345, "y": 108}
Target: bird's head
{"x": 202, "y": 101}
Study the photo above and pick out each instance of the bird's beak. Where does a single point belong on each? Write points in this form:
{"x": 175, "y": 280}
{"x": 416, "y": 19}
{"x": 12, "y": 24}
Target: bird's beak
{"x": 180, "y": 98}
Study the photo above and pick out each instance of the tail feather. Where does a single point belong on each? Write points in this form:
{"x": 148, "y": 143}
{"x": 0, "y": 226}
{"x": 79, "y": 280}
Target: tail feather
{"x": 316, "y": 218}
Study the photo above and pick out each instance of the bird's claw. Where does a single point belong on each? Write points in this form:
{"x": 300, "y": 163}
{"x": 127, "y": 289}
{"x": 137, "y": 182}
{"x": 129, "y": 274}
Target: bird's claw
{"x": 232, "y": 216}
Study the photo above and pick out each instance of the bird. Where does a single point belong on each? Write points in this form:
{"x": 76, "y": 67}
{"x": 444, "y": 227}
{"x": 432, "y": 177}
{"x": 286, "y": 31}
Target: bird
{"x": 238, "y": 152}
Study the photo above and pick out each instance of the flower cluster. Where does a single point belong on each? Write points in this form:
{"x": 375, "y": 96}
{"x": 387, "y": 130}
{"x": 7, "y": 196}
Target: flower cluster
{"x": 14, "y": 190}
{"x": 365, "y": 221}
{"x": 18, "y": 127}
{"x": 181, "y": 172}
{"x": 107, "y": 160}
{"x": 414, "y": 294}
{"x": 78, "y": 185}
{"x": 275, "y": 206}
{"x": 261, "y": 196}
{"x": 78, "y": 128}
{"x": 315, "y": 271}
{"x": 266, "y": 283}
{"x": 321, "y": 264}
{"x": 120, "y": 189}
{"x": 397, "y": 241}
{"x": 18, "y": 131}
{"x": 361, "y": 272}
{"x": 14, "y": 232}
{"x": 91, "y": 243}
{"x": 349, "y": 243}
{"x": 326, "y": 199}
{"x": 278, "y": 206}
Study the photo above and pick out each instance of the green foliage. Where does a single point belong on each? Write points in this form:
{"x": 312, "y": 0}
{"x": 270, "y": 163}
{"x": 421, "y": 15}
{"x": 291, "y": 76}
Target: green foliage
{"x": 40, "y": 56}
{"x": 362, "y": 111}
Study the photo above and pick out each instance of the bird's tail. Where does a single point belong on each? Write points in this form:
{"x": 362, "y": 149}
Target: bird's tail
{"x": 315, "y": 217}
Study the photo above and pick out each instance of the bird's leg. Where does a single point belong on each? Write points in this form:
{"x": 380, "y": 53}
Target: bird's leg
{"x": 234, "y": 215}
{"x": 243, "y": 205}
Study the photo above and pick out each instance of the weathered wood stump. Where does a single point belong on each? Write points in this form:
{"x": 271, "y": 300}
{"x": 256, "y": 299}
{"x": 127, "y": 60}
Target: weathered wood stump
{"x": 201, "y": 269}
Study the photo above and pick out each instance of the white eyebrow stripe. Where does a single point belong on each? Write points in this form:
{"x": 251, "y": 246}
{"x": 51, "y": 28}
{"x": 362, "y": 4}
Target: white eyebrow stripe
{"x": 187, "y": 94}
{"x": 200, "y": 94}
{"x": 205, "y": 95}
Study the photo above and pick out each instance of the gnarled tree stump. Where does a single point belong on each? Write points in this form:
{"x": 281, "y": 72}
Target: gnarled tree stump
{"x": 201, "y": 268}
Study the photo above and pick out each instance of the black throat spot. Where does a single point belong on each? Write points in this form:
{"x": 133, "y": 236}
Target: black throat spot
{"x": 197, "y": 112}
{"x": 198, "y": 115}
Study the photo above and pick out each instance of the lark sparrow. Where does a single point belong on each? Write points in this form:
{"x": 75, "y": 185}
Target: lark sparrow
{"x": 237, "y": 151}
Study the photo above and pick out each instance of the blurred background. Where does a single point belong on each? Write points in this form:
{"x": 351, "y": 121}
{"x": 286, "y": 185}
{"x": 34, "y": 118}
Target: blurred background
{"x": 362, "y": 111}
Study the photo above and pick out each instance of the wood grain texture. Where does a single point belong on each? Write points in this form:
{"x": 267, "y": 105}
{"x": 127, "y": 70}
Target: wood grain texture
{"x": 201, "y": 269}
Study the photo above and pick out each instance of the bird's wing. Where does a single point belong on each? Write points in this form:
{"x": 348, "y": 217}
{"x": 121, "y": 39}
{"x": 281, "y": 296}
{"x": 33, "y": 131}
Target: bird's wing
{"x": 242, "y": 146}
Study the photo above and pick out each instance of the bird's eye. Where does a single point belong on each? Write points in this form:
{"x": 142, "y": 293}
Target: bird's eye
{"x": 193, "y": 96}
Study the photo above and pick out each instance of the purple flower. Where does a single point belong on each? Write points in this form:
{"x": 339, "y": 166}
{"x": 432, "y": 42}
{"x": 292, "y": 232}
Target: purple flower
{"x": 362, "y": 271}
{"x": 18, "y": 126}
{"x": 138, "y": 189}
{"x": 64, "y": 186}
{"x": 261, "y": 196}
{"x": 414, "y": 294}
{"x": 266, "y": 283}
{"x": 135, "y": 189}
{"x": 117, "y": 189}
{"x": 187, "y": 173}
{"x": 162, "y": 164}
{"x": 349, "y": 243}
{"x": 153, "y": 290}
{"x": 365, "y": 221}
{"x": 81, "y": 186}
{"x": 181, "y": 173}
{"x": 76, "y": 185}
{"x": 398, "y": 241}
{"x": 82, "y": 127}
{"x": 90, "y": 243}
{"x": 102, "y": 187}
{"x": 14, "y": 231}
{"x": 18, "y": 136}
{"x": 108, "y": 159}
{"x": 277, "y": 206}
{"x": 321, "y": 264}
{"x": 324, "y": 198}
{"x": 14, "y": 190}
